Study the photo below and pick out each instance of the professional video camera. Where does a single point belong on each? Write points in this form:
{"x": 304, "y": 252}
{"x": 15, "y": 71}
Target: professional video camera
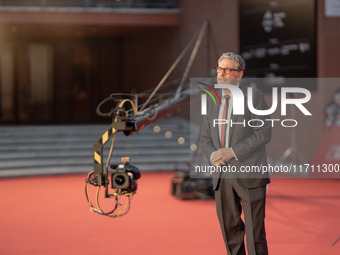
{"x": 184, "y": 187}
{"x": 123, "y": 185}
{"x": 125, "y": 178}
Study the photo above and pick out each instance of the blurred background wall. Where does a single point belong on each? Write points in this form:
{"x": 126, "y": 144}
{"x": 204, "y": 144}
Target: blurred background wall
{"x": 59, "y": 59}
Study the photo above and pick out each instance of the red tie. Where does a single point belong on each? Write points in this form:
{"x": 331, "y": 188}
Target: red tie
{"x": 224, "y": 117}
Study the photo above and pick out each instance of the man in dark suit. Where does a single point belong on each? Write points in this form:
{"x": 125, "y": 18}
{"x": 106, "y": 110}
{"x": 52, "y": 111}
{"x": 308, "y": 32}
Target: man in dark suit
{"x": 239, "y": 145}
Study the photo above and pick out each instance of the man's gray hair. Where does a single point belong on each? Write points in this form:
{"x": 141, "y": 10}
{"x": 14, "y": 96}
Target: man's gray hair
{"x": 237, "y": 58}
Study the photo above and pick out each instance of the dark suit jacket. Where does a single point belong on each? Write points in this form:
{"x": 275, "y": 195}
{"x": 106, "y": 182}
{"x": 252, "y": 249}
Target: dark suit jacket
{"x": 248, "y": 143}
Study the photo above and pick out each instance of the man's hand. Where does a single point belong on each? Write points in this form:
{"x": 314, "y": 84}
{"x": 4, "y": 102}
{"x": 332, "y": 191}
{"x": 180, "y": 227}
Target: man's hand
{"x": 221, "y": 156}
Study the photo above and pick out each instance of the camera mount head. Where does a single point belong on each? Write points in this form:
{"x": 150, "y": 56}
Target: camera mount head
{"x": 124, "y": 178}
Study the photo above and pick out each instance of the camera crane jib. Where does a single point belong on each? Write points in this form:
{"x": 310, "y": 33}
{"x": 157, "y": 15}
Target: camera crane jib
{"x": 120, "y": 183}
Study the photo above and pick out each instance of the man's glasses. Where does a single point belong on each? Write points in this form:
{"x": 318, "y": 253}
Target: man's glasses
{"x": 226, "y": 70}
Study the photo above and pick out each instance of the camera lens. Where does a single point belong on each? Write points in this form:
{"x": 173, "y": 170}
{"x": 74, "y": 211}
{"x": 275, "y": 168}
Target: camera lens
{"x": 120, "y": 180}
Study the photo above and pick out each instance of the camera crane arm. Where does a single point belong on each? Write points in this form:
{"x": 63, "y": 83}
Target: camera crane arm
{"x": 126, "y": 118}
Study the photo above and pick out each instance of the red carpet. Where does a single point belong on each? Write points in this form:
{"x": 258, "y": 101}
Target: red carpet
{"x": 50, "y": 215}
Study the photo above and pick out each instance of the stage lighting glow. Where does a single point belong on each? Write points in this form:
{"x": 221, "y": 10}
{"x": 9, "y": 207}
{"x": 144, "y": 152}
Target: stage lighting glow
{"x": 181, "y": 140}
{"x": 168, "y": 134}
{"x": 156, "y": 129}
{"x": 193, "y": 147}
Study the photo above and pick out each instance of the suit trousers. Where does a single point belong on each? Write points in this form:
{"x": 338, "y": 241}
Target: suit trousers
{"x": 230, "y": 198}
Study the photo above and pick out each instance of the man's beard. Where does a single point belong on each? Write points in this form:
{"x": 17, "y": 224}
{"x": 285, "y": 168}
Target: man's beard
{"x": 223, "y": 80}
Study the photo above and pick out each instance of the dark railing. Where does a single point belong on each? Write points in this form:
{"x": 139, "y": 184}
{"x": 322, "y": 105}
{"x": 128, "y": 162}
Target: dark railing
{"x": 92, "y": 3}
